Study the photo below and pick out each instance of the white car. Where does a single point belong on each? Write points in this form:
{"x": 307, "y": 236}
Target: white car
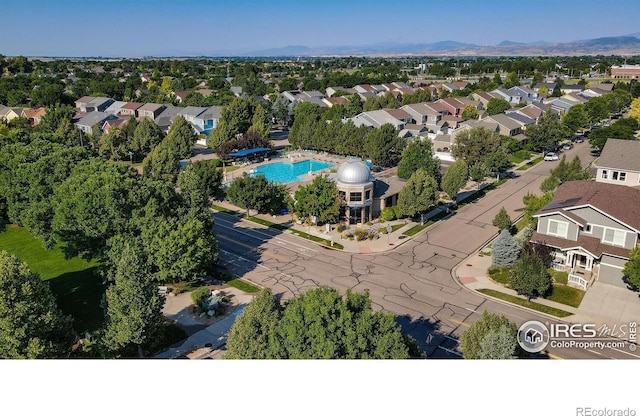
{"x": 551, "y": 157}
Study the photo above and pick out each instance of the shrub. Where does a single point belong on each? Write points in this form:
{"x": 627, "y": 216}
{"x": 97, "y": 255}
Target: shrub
{"x": 341, "y": 227}
{"x": 361, "y": 234}
{"x": 397, "y": 213}
{"x": 200, "y": 294}
{"x": 389, "y": 214}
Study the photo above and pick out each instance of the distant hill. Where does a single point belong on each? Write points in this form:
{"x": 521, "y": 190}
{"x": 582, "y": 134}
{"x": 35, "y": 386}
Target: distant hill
{"x": 614, "y": 45}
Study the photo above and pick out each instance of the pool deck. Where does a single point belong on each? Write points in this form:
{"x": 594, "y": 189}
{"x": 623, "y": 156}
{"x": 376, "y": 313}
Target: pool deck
{"x": 290, "y": 157}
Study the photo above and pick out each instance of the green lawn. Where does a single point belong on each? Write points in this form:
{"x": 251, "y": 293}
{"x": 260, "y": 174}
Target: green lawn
{"x": 567, "y": 295}
{"x": 223, "y": 209}
{"x": 531, "y": 163}
{"x": 520, "y": 156}
{"x": 501, "y": 275}
{"x": 75, "y": 282}
{"x": 523, "y": 302}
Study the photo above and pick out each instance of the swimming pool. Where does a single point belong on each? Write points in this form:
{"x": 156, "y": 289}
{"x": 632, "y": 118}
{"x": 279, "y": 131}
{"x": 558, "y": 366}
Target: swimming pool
{"x": 282, "y": 172}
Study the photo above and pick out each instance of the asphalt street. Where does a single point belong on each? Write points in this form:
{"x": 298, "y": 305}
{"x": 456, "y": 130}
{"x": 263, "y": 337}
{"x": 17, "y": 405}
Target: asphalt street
{"x": 415, "y": 280}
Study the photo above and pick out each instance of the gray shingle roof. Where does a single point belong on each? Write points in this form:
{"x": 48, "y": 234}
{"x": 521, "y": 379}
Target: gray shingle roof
{"x": 620, "y": 154}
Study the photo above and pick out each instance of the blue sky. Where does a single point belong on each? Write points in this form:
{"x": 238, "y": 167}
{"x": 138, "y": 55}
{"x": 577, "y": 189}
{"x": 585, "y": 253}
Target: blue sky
{"x": 194, "y": 27}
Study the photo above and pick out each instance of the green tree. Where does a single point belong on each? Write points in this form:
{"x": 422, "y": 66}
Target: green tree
{"x": 504, "y": 251}
{"x": 502, "y": 220}
{"x": 250, "y": 193}
{"x": 235, "y": 119}
{"x": 180, "y": 138}
{"x": 480, "y": 146}
{"x": 133, "y": 305}
{"x": 93, "y": 204}
{"x": 419, "y": 155}
{"x": 163, "y": 163}
{"x": 470, "y": 112}
{"x": 146, "y": 137}
{"x": 418, "y": 195}
{"x": 497, "y": 106}
{"x": 565, "y": 172}
{"x": 320, "y": 199}
{"x": 383, "y": 146}
{"x": 473, "y": 344}
{"x": 498, "y": 345}
{"x": 252, "y": 335}
{"x": 576, "y": 118}
{"x": 320, "y": 324}
{"x": 31, "y": 325}
{"x": 260, "y": 123}
{"x": 511, "y": 80}
{"x": 455, "y": 178}
{"x": 353, "y": 106}
{"x": 529, "y": 276}
{"x": 631, "y": 271}
{"x": 198, "y": 182}
{"x": 547, "y": 133}
{"x": 114, "y": 145}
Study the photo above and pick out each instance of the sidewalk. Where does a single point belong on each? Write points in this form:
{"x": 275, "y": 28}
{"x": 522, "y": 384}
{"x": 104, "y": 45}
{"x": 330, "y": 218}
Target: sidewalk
{"x": 213, "y": 336}
{"x": 472, "y": 273}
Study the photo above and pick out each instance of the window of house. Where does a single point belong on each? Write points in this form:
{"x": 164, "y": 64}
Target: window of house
{"x": 367, "y": 195}
{"x": 614, "y": 237}
{"x": 623, "y": 176}
{"x": 558, "y": 228}
{"x": 615, "y": 176}
{"x": 605, "y": 174}
{"x": 587, "y": 228}
{"x": 355, "y": 196}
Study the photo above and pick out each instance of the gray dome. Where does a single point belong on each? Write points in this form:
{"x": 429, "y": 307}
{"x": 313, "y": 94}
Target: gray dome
{"x": 353, "y": 172}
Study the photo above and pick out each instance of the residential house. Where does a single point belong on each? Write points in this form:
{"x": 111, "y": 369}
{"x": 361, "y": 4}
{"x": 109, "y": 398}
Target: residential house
{"x": 151, "y": 110}
{"x": 237, "y": 91}
{"x": 423, "y": 113}
{"x": 9, "y": 113}
{"x": 207, "y": 120}
{"x": 509, "y": 96}
{"x": 166, "y": 117}
{"x": 180, "y": 95}
{"x": 455, "y": 106}
{"x": 97, "y": 104}
{"x": 93, "y": 118}
{"x": 413, "y": 130}
{"x": 533, "y": 110}
{"x": 573, "y": 88}
{"x": 592, "y": 227}
{"x": 81, "y": 103}
{"x": 506, "y": 125}
{"x": 130, "y": 109}
{"x": 619, "y": 163}
{"x": 396, "y": 117}
{"x": 109, "y": 124}
{"x": 331, "y": 101}
{"x": 34, "y": 114}
{"x": 526, "y": 94}
{"x": 560, "y": 105}
{"x": 115, "y": 107}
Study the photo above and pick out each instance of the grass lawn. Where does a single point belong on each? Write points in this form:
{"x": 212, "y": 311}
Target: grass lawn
{"x": 531, "y": 163}
{"x": 238, "y": 283}
{"x": 225, "y": 210}
{"x": 567, "y": 295}
{"x": 523, "y": 302}
{"x": 415, "y": 230}
{"x": 520, "y": 156}
{"x": 74, "y": 282}
{"x": 500, "y": 275}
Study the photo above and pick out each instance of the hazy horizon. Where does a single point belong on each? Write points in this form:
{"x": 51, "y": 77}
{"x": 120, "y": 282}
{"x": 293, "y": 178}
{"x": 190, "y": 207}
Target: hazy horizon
{"x": 120, "y": 28}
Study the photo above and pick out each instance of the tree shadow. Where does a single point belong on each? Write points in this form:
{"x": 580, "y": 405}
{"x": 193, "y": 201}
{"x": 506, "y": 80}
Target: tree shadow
{"x": 80, "y": 294}
{"x": 431, "y": 341}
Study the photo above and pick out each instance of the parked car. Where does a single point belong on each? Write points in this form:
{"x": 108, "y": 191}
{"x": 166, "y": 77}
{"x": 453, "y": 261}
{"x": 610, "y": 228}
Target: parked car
{"x": 578, "y": 139}
{"x": 567, "y": 146}
{"x": 550, "y": 157}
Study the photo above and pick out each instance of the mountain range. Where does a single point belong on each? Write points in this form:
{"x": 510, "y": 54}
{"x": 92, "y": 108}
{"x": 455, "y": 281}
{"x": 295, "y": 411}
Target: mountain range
{"x": 614, "y": 45}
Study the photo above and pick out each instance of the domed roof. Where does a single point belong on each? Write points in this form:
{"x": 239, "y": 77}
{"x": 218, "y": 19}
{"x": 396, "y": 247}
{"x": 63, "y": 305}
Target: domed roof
{"x": 353, "y": 172}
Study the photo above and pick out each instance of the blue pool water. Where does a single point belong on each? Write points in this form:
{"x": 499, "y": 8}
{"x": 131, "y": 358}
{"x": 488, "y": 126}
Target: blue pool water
{"x": 282, "y": 172}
